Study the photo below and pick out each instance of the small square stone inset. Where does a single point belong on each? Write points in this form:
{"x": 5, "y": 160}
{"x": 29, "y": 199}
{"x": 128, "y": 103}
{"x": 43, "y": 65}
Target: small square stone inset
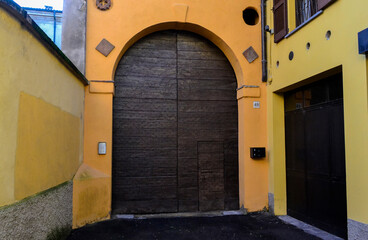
{"x": 250, "y": 54}
{"x": 105, "y": 47}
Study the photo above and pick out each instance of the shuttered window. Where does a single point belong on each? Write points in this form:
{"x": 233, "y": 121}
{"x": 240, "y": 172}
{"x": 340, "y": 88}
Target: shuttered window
{"x": 324, "y": 3}
{"x": 304, "y": 9}
{"x": 280, "y": 19}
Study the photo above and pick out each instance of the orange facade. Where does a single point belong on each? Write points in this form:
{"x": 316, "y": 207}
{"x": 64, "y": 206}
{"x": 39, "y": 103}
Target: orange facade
{"x": 123, "y": 24}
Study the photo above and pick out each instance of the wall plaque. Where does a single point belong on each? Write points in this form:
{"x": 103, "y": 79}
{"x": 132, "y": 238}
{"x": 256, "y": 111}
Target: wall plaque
{"x": 250, "y": 54}
{"x": 103, "y": 4}
{"x": 105, "y": 47}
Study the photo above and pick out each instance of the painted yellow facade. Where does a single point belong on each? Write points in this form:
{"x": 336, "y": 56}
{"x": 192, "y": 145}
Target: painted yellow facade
{"x": 128, "y": 21}
{"x": 36, "y": 166}
{"x": 344, "y": 19}
{"x": 41, "y": 115}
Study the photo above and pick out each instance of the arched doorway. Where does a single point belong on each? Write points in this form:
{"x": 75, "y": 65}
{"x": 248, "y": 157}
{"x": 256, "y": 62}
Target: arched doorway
{"x": 175, "y": 127}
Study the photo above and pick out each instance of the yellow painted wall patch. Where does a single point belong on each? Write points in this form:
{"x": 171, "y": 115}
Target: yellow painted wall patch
{"x": 40, "y": 165}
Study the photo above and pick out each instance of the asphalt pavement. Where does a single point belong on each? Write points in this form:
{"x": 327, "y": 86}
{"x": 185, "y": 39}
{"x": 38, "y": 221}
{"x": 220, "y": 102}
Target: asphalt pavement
{"x": 250, "y": 226}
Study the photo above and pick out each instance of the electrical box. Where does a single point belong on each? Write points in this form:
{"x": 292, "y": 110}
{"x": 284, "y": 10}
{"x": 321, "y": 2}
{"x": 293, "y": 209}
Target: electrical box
{"x": 102, "y": 148}
{"x": 257, "y": 152}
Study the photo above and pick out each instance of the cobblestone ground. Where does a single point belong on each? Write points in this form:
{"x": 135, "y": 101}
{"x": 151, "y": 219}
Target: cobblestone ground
{"x": 250, "y": 226}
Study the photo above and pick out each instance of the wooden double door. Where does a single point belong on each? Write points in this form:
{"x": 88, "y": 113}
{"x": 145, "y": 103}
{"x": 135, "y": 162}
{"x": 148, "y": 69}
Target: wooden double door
{"x": 175, "y": 127}
{"x": 315, "y": 155}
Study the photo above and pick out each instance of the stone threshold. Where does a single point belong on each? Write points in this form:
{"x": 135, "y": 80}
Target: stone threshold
{"x": 180, "y": 215}
{"x": 309, "y": 228}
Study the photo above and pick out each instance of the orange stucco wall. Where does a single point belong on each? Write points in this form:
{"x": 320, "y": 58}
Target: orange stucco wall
{"x": 126, "y": 22}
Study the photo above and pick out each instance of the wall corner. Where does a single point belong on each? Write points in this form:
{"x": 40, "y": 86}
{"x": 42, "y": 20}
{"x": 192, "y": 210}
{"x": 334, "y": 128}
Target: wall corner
{"x": 73, "y": 39}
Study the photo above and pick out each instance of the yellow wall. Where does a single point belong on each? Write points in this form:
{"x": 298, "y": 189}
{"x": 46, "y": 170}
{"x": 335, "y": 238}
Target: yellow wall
{"x": 344, "y": 19}
{"x": 48, "y": 146}
{"x": 41, "y": 115}
{"x": 222, "y": 23}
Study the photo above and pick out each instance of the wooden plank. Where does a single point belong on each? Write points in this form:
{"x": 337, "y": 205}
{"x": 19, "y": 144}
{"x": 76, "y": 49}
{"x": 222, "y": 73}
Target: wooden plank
{"x": 187, "y": 149}
{"x": 146, "y": 192}
{"x": 199, "y": 55}
{"x": 146, "y": 123}
{"x": 153, "y": 70}
{"x": 152, "y": 105}
{"x": 157, "y": 43}
{"x": 196, "y": 46}
{"x": 199, "y": 134}
{"x": 188, "y": 181}
{"x": 211, "y": 176}
{"x": 143, "y": 81}
{"x": 148, "y": 181}
{"x": 146, "y": 142}
{"x": 146, "y": 132}
{"x": 187, "y": 164}
{"x": 206, "y": 94}
{"x": 147, "y": 166}
{"x": 152, "y": 92}
{"x": 143, "y": 171}
{"x": 210, "y": 147}
{"x": 231, "y": 203}
{"x": 208, "y": 161}
{"x": 205, "y": 64}
{"x": 188, "y": 205}
{"x": 208, "y": 106}
{"x": 133, "y": 115}
{"x": 211, "y": 195}
{"x": 124, "y": 155}
{"x": 149, "y": 60}
{"x": 194, "y": 124}
{"x": 211, "y": 119}
{"x": 204, "y": 73}
{"x": 149, "y": 155}
{"x": 120, "y": 206}
{"x": 143, "y": 52}
{"x": 150, "y": 168}
{"x": 204, "y": 84}
{"x": 188, "y": 193}
{"x": 210, "y": 205}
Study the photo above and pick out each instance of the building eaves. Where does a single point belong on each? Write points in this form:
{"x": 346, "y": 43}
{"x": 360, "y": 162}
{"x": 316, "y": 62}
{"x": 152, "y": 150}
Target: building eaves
{"x": 22, "y": 16}
{"x": 41, "y": 10}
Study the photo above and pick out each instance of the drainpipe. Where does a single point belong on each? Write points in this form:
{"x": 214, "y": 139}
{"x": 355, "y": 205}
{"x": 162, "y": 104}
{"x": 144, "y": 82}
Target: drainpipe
{"x": 264, "y": 41}
{"x": 54, "y": 26}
